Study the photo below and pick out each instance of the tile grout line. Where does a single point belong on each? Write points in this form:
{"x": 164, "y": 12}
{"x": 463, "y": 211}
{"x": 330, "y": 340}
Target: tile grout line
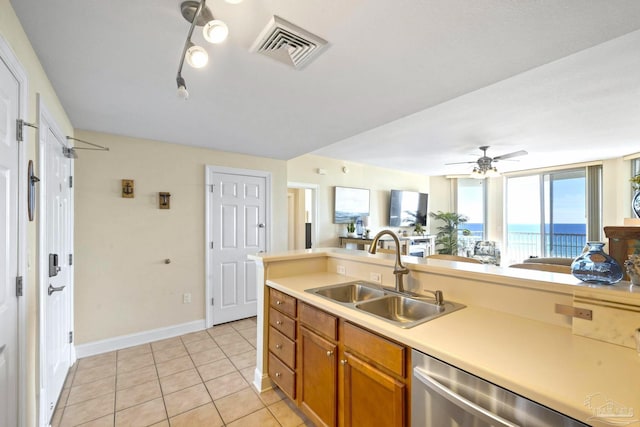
{"x": 232, "y": 331}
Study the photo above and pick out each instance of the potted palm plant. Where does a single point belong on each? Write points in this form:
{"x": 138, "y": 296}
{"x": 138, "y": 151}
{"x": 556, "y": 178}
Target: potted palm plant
{"x": 447, "y": 237}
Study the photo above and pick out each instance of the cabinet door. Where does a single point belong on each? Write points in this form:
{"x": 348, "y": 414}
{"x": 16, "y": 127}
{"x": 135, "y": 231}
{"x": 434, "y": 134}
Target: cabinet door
{"x": 372, "y": 398}
{"x": 318, "y": 378}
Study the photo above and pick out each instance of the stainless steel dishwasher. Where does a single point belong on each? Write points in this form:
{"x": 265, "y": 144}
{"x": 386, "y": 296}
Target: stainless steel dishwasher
{"x": 445, "y": 396}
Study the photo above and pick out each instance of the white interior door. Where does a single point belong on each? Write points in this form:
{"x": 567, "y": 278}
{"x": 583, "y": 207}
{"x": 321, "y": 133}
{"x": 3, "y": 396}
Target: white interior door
{"x": 56, "y": 265}
{"x": 9, "y": 222}
{"x": 237, "y": 224}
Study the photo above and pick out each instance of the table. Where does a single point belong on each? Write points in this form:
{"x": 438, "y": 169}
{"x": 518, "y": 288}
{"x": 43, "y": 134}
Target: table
{"x": 426, "y": 243}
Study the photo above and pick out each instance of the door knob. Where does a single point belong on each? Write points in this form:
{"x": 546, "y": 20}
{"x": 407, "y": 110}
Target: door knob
{"x": 329, "y": 353}
{"x": 343, "y": 361}
{"x": 53, "y": 289}
{"x": 261, "y": 225}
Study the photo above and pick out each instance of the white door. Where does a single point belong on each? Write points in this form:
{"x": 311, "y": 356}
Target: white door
{"x": 237, "y": 216}
{"x": 9, "y": 168}
{"x": 56, "y": 265}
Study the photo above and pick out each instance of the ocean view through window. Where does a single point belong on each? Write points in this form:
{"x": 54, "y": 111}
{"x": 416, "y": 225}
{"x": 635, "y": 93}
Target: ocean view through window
{"x": 546, "y": 215}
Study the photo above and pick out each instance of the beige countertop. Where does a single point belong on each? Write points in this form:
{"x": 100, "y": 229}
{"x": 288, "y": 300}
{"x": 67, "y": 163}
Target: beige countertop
{"x": 543, "y": 362}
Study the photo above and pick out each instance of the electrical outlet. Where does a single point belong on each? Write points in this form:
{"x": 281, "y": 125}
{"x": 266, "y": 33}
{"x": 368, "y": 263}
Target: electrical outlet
{"x": 341, "y": 270}
{"x": 375, "y": 277}
{"x": 186, "y": 298}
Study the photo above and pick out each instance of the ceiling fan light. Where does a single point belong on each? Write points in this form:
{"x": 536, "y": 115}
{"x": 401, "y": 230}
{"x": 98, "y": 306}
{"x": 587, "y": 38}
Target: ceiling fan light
{"x": 476, "y": 174}
{"x": 215, "y": 31}
{"x": 197, "y": 57}
{"x": 492, "y": 173}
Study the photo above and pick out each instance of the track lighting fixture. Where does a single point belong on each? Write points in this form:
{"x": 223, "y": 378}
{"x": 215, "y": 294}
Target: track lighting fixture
{"x": 197, "y": 57}
{"x": 214, "y": 31}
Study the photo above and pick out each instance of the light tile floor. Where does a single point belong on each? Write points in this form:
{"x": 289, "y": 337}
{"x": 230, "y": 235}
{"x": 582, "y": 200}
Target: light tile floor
{"x": 198, "y": 379}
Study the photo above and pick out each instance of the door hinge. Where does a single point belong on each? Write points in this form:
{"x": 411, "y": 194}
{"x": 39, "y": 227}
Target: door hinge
{"x": 211, "y": 188}
{"x": 70, "y": 182}
{"x": 212, "y": 300}
{"x": 71, "y": 337}
{"x": 211, "y": 245}
{"x": 20, "y": 124}
{"x": 70, "y": 259}
{"x": 19, "y": 286}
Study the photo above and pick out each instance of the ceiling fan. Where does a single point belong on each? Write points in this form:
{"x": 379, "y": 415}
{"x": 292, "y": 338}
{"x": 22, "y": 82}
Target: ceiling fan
{"x": 484, "y": 165}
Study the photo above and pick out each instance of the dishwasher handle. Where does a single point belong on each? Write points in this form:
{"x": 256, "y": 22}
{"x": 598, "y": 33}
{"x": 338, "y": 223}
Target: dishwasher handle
{"x": 460, "y": 401}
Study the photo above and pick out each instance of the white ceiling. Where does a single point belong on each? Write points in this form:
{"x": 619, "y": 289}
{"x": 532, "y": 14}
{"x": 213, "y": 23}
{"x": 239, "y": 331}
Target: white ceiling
{"x": 404, "y": 84}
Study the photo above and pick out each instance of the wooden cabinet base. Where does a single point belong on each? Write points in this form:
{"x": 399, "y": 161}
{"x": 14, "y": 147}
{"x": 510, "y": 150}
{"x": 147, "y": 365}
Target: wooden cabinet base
{"x": 372, "y": 398}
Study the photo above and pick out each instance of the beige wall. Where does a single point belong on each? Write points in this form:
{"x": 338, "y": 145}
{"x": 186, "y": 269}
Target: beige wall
{"x": 38, "y": 83}
{"x": 122, "y": 284}
{"x": 379, "y": 181}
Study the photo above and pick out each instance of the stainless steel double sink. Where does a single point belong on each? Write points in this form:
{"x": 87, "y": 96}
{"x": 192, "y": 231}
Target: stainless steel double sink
{"x": 401, "y": 309}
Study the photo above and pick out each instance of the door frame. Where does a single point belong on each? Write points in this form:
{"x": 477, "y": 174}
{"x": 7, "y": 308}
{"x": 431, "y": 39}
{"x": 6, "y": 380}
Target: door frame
{"x": 314, "y": 207}
{"x": 208, "y": 222}
{"x": 11, "y": 60}
{"x": 45, "y": 116}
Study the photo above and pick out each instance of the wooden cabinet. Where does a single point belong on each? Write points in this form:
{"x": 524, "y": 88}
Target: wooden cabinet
{"x": 375, "y": 379}
{"x": 318, "y": 378}
{"x": 282, "y": 341}
{"x": 318, "y": 362}
{"x": 338, "y": 373}
{"x": 372, "y": 397}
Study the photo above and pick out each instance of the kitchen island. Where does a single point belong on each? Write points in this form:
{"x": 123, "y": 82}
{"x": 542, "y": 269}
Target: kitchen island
{"x": 509, "y": 333}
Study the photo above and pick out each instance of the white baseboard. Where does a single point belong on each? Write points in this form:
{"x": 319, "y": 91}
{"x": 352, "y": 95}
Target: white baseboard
{"x": 124, "y": 341}
{"x": 261, "y": 382}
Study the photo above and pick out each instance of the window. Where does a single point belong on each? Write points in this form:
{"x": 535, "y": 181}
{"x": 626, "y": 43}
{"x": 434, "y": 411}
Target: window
{"x": 470, "y": 202}
{"x": 546, "y": 214}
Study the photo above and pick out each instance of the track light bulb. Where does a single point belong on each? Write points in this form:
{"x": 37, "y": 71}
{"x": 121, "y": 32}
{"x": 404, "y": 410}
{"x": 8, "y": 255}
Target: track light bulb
{"x": 183, "y": 93}
{"x": 215, "y": 31}
{"x": 197, "y": 57}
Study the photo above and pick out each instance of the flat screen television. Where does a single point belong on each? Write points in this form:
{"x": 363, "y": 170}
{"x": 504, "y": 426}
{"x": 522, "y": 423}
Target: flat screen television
{"x": 407, "y": 208}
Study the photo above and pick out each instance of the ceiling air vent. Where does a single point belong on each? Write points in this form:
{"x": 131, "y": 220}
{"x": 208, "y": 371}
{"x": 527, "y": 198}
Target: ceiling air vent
{"x": 288, "y": 43}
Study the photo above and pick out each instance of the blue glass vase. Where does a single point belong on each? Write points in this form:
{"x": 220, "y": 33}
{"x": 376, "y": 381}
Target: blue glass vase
{"x": 595, "y": 266}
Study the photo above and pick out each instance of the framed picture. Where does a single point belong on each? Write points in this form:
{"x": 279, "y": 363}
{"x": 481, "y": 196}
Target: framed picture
{"x": 349, "y": 204}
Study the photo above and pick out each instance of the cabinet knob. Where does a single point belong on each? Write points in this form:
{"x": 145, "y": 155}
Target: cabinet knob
{"x": 278, "y": 346}
{"x": 278, "y": 302}
{"x": 278, "y": 374}
{"x": 343, "y": 361}
{"x": 329, "y": 353}
{"x": 278, "y": 322}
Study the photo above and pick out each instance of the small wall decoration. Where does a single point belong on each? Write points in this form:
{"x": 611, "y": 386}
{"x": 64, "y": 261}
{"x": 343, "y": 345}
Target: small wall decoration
{"x": 31, "y": 196}
{"x": 164, "y": 200}
{"x": 127, "y": 188}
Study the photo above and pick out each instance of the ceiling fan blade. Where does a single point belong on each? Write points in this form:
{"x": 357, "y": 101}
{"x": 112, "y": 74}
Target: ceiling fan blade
{"x": 510, "y": 155}
{"x": 461, "y": 163}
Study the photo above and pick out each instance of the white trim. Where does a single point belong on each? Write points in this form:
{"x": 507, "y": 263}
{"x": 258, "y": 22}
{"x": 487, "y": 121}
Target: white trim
{"x": 46, "y": 122}
{"x": 209, "y": 170}
{"x": 11, "y": 59}
{"x": 314, "y": 202}
{"x": 552, "y": 169}
{"x": 124, "y": 341}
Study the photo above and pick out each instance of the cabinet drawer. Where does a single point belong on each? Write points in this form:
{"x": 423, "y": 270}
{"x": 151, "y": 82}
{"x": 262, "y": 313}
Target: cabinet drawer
{"x": 284, "y": 377}
{"x": 282, "y": 302}
{"x": 284, "y": 324}
{"x": 282, "y": 347}
{"x": 386, "y": 353}
{"x": 321, "y": 322}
